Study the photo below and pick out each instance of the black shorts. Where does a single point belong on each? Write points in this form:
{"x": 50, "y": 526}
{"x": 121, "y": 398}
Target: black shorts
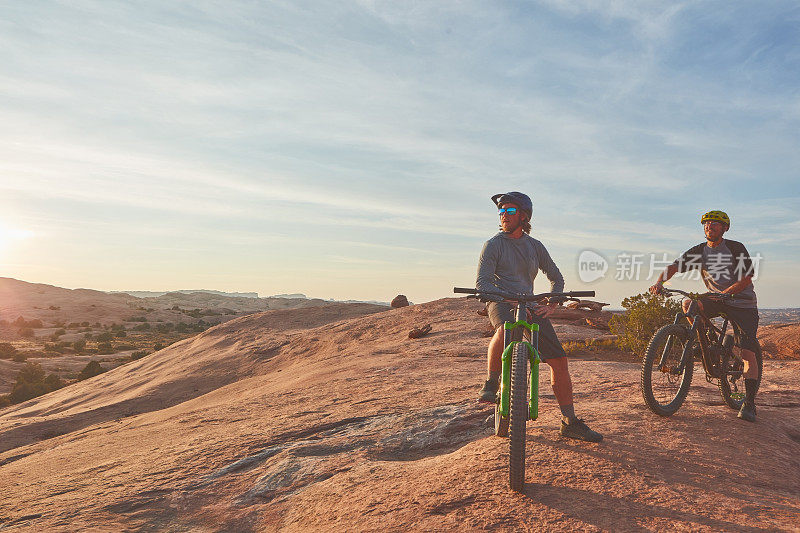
{"x": 549, "y": 345}
{"x": 744, "y": 321}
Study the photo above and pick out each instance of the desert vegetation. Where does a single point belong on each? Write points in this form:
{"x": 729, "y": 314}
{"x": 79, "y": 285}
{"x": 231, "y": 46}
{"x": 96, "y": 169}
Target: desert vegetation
{"x": 645, "y": 313}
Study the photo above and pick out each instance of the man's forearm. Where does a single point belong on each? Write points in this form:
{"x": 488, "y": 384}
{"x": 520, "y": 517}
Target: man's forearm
{"x": 739, "y": 286}
{"x": 667, "y": 274}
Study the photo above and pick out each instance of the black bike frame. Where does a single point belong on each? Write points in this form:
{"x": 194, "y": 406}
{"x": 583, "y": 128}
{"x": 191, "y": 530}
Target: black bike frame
{"x": 700, "y": 324}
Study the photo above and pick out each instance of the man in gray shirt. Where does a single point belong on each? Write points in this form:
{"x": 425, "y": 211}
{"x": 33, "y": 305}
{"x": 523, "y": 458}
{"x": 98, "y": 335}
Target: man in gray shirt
{"x": 509, "y": 262}
{"x": 726, "y": 268}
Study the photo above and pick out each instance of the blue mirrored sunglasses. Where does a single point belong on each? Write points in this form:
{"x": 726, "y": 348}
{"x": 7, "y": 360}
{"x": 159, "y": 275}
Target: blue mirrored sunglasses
{"x": 508, "y": 211}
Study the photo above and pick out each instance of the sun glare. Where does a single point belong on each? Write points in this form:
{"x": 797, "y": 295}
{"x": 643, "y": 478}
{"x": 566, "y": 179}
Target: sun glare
{"x": 8, "y": 236}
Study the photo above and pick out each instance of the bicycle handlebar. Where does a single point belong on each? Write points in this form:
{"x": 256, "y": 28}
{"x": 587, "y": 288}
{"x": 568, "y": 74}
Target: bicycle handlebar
{"x": 720, "y": 295}
{"x": 571, "y": 295}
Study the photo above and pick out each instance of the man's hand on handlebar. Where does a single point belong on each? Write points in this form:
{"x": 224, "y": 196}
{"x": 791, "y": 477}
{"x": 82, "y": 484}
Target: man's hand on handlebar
{"x": 657, "y": 288}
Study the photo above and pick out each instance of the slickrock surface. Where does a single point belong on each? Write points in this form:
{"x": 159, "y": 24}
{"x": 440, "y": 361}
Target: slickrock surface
{"x": 322, "y": 419}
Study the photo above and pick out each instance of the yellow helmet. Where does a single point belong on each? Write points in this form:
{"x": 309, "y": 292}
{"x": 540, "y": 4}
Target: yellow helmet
{"x": 719, "y": 216}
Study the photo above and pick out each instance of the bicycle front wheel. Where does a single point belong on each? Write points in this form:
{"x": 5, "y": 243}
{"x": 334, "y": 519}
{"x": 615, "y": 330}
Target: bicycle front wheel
{"x": 731, "y": 384}
{"x": 518, "y": 417}
{"x": 665, "y": 387}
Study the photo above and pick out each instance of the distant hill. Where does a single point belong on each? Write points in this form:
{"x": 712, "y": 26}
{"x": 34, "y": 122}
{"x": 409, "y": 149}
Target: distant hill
{"x": 778, "y": 316}
{"x": 56, "y": 305}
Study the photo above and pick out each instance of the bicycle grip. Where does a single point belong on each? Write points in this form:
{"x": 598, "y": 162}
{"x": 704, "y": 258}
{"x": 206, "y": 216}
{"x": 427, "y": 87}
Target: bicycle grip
{"x": 577, "y": 294}
{"x": 463, "y": 290}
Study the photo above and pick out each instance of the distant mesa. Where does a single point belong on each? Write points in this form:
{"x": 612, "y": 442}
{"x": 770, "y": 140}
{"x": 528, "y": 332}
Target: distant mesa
{"x": 156, "y": 294}
{"x": 297, "y": 295}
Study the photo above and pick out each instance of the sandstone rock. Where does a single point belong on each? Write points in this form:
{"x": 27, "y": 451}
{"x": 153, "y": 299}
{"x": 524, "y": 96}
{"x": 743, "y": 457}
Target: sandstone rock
{"x": 400, "y": 301}
{"x": 586, "y": 304}
{"x": 419, "y": 332}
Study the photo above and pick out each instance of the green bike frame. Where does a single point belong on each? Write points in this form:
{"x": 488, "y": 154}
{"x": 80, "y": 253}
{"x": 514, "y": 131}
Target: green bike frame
{"x": 505, "y": 376}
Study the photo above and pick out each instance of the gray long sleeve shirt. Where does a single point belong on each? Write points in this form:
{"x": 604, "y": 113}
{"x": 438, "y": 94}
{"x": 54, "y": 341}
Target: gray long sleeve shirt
{"x": 510, "y": 265}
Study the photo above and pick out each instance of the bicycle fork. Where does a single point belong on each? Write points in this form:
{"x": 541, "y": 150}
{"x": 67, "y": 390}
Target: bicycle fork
{"x": 505, "y": 376}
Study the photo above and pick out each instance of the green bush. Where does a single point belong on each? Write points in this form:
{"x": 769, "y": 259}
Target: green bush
{"x": 79, "y": 345}
{"x": 91, "y": 370}
{"x": 32, "y": 382}
{"x": 106, "y": 336}
{"x": 7, "y": 350}
{"x": 645, "y": 314}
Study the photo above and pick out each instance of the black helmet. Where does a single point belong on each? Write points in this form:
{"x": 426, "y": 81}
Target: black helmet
{"x": 522, "y": 200}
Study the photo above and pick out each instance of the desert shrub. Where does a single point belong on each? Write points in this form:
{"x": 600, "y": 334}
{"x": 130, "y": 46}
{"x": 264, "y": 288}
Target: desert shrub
{"x": 91, "y": 370}
{"x": 121, "y": 347}
{"x": 106, "y": 336}
{"x": 645, "y": 314}
{"x": 120, "y": 334}
{"x": 79, "y": 345}
{"x": 165, "y": 328}
{"x": 32, "y": 382}
{"x": 54, "y": 308}
{"x": 105, "y": 348}
{"x": 157, "y": 346}
{"x": 137, "y": 319}
{"x": 7, "y": 350}
{"x": 142, "y": 327}
{"x": 73, "y": 325}
{"x": 19, "y": 357}
{"x": 84, "y": 324}
{"x": 181, "y": 327}
{"x": 5, "y": 400}
{"x": 60, "y": 332}
{"x": 26, "y": 332}
{"x": 87, "y": 336}
{"x": 138, "y": 354}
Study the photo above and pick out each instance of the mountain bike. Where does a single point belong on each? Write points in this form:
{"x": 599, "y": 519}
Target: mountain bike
{"x": 517, "y": 402}
{"x": 668, "y": 362}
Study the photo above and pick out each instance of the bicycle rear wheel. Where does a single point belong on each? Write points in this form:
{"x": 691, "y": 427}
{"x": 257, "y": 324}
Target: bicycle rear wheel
{"x": 518, "y": 417}
{"x": 665, "y": 388}
{"x": 731, "y": 384}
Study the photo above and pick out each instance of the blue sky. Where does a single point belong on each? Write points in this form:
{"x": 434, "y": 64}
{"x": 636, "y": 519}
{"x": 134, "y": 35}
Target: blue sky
{"x": 348, "y": 150}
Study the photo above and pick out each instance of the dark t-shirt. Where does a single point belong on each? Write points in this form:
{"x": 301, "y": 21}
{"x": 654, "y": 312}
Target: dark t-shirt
{"x": 720, "y": 268}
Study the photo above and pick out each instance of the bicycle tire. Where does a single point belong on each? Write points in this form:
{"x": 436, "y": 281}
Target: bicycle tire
{"x": 518, "y": 416}
{"x": 501, "y": 422}
{"x": 672, "y": 389}
{"x": 729, "y": 389}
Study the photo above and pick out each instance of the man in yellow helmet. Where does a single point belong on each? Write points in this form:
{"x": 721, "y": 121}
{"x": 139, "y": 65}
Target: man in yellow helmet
{"x": 726, "y": 268}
